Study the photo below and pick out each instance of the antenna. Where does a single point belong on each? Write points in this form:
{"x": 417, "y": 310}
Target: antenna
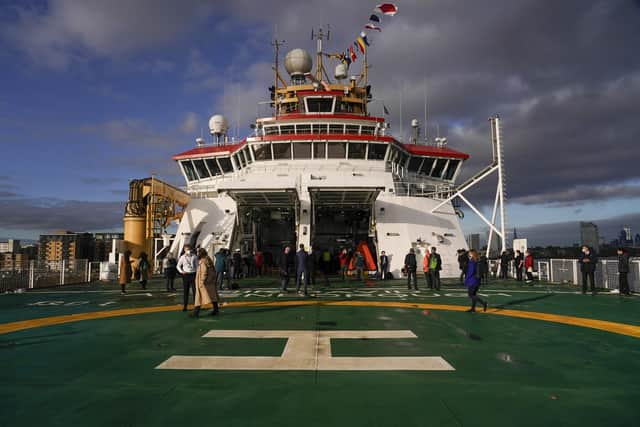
{"x": 426, "y": 128}
{"x": 276, "y": 44}
{"x": 319, "y": 35}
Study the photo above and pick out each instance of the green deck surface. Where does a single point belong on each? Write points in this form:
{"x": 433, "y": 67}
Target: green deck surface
{"x": 508, "y": 371}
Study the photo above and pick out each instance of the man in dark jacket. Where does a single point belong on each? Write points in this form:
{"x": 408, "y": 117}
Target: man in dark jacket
{"x": 302, "y": 267}
{"x": 588, "y": 262}
{"x": 623, "y": 271}
{"x": 435, "y": 265}
{"x": 410, "y": 266}
{"x": 284, "y": 263}
{"x": 220, "y": 264}
{"x": 384, "y": 265}
{"x": 237, "y": 264}
{"x": 504, "y": 264}
{"x": 463, "y": 261}
{"x": 519, "y": 265}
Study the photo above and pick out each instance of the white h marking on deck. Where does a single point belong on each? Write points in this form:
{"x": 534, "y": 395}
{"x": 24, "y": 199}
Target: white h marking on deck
{"x": 308, "y": 351}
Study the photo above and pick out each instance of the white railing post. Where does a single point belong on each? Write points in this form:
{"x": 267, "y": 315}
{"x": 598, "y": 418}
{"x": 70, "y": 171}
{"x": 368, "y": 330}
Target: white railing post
{"x": 64, "y": 264}
{"x": 575, "y": 271}
{"x": 87, "y": 266}
{"x": 31, "y": 274}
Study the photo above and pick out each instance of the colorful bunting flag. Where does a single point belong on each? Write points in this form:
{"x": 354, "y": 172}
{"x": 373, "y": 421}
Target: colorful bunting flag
{"x": 352, "y": 54}
{"x": 361, "y": 44}
{"x": 387, "y": 9}
{"x": 372, "y": 27}
{"x": 363, "y": 36}
{"x": 374, "y": 18}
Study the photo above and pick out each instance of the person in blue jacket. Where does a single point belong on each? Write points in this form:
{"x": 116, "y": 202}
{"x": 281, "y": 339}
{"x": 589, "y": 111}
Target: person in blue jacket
{"x": 472, "y": 282}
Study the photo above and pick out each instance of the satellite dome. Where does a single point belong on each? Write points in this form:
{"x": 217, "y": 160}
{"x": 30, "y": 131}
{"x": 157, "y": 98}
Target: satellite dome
{"x": 297, "y": 62}
{"x": 218, "y": 125}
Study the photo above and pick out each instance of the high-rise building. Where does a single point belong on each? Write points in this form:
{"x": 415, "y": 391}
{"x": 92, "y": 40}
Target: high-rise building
{"x": 103, "y": 244}
{"x": 65, "y": 245}
{"x": 10, "y": 246}
{"x": 636, "y": 241}
{"x": 473, "y": 241}
{"x": 627, "y": 233}
{"x": 589, "y": 235}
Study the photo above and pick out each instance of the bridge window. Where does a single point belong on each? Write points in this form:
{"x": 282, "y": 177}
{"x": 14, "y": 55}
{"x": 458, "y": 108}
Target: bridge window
{"x": 357, "y": 150}
{"x": 240, "y": 160}
{"x": 213, "y": 166}
{"x": 319, "y": 150}
{"x": 189, "y": 170}
{"x": 427, "y": 166}
{"x": 319, "y": 104}
{"x": 247, "y": 155}
{"x": 287, "y": 130}
{"x": 282, "y": 151}
{"x": 303, "y": 129}
{"x": 451, "y": 169}
{"x": 414, "y": 164}
{"x": 225, "y": 164}
{"x": 377, "y": 151}
{"x": 301, "y": 150}
{"x": 337, "y": 150}
{"x": 367, "y": 130}
{"x": 352, "y": 129}
{"x": 262, "y": 152}
{"x": 320, "y": 128}
{"x": 438, "y": 168}
{"x": 336, "y": 129}
{"x": 271, "y": 130}
{"x": 201, "y": 169}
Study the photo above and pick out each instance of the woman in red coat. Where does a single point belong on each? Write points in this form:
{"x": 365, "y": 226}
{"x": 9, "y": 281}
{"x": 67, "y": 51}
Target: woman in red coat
{"x": 528, "y": 266}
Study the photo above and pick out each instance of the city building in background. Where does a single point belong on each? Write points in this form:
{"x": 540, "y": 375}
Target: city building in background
{"x": 589, "y": 235}
{"x": 473, "y": 241}
{"x": 10, "y": 246}
{"x": 65, "y": 245}
{"x": 102, "y": 245}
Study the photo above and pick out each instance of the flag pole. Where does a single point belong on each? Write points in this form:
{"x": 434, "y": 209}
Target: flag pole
{"x": 364, "y": 78}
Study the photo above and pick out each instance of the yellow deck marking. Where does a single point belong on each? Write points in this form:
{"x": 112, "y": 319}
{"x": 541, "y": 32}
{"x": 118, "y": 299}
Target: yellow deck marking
{"x": 603, "y": 325}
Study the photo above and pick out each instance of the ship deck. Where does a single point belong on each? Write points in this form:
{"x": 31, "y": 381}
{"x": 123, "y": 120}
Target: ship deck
{"x": 541, "y": 355}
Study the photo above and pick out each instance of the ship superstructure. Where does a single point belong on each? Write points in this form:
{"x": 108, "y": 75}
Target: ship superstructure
{"x": 323, "y": 172}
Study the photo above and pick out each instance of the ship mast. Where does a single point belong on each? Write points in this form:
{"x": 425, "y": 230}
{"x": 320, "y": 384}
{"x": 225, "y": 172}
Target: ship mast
{"x": 319, "y": 36}
{"x": 276, "y": 44}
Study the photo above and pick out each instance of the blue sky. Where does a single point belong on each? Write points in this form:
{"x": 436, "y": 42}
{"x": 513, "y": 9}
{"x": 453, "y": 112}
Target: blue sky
{"x": 96, "y": 93}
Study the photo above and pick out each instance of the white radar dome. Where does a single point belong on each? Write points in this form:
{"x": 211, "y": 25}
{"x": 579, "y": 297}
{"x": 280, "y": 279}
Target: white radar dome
{"x": 297, "y": 62}
{"x": 218, "y": 125}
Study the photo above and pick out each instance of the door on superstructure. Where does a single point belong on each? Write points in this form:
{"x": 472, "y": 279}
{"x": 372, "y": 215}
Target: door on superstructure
{"x": 344, "y": 218}
{"x": 266, "y": 222}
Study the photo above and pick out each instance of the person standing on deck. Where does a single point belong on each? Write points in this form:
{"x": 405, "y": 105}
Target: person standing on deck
{"x": 384, "y": 265}
{"x": 344, "y": 263}
{"x": 623, "y": 271}
{"x": 425, "y": 269}
{"x": 259, "y": 263}
{"x": 504, "y": 265}
{"x": 220, "y": 264}
{"x": 588, "y": 262}
{"x": 519, "y": 265}
{"x": 302, "y": 268}
{"x": 410, "y": 266}
{"x": 358, "y": 263}
{"x": 528, "y": 266}
{"x": 187, "y": 267}
{"x": 125, "y": 270}
{"x": 143, "y": 268}
{"x": 463, "y": 260}
{"x": 205, "y": 286}
{"x": 169, "y": 270}
{"x": 483, "y": 269}
{"x": 285, "y": 268}
{"x": 435, "y": 265}
{"x": 472, "y": 282}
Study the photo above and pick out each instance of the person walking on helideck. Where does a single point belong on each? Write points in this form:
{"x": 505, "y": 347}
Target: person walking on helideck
{"x": 187, "y": 267}
{"x": 384, "y": 265}
{"x": 472, "y": 282}
{"x": 125, "y": 270}
{"x": 169, "y": 270}
{"x": 302, "y": 269}
{"x": 528, "y": 266}
{"x": 285, "y": 268}
{"x": 205, "y": 287}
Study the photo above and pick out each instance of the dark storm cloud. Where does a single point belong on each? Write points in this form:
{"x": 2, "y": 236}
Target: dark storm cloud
{"x": 564, "y": 79}
{"x": 49, "y": 214}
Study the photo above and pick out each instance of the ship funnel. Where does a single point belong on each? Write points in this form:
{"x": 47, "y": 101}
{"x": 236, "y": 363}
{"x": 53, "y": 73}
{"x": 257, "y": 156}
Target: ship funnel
{"x": 298, "y": 62}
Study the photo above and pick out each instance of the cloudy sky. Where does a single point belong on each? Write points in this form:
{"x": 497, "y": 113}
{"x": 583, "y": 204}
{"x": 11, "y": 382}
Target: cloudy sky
{"x": 95, "y": 93}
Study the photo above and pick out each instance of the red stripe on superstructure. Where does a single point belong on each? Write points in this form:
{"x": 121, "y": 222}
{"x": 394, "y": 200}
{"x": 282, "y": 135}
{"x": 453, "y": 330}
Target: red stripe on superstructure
{"x": 425, "y": 150}
{"x": 296, "y": 116}
{"x": 201, "y": 151}
{"x": 322, "y": 136}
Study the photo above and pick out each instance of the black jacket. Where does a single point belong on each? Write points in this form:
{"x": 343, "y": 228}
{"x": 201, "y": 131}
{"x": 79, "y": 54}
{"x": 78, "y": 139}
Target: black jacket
{"x": 588, "y": 262}
{"x": 410, "y": 262}
{"x": 384, "y": 261}
{"x": 623, "y": 263}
